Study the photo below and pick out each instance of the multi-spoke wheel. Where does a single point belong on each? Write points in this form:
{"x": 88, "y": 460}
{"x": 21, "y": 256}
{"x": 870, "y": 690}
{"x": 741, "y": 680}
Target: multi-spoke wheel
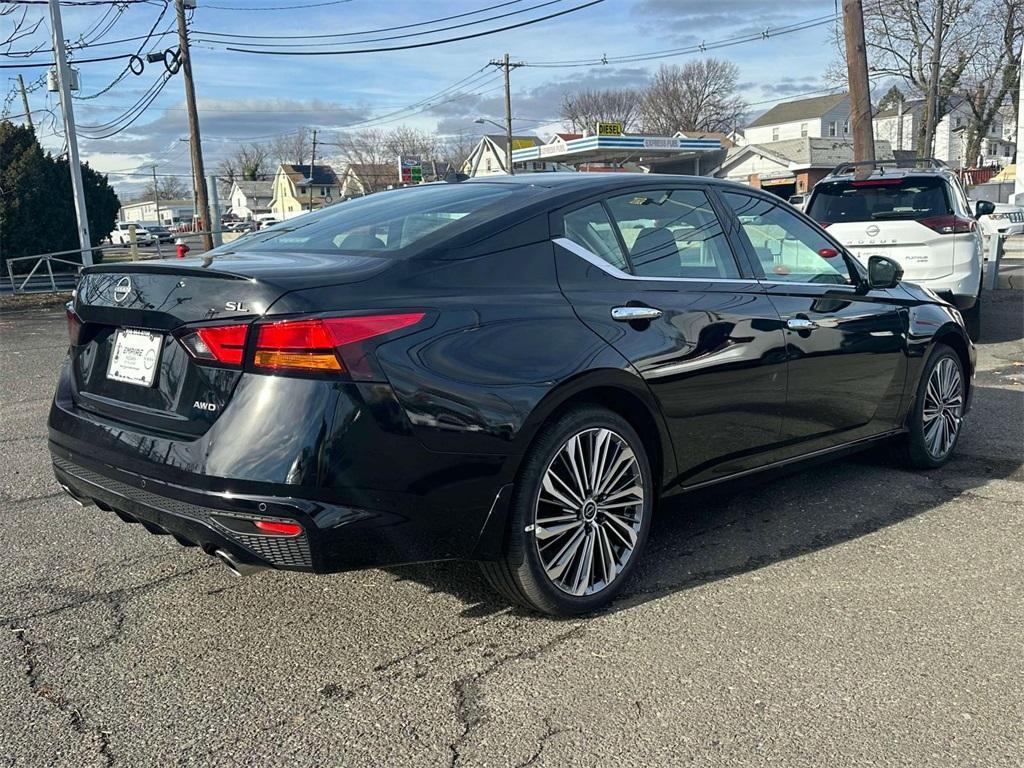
{"x": 580, "y": 514}
{"x": 589, "y": 511}
{"x": 935, "y": 421}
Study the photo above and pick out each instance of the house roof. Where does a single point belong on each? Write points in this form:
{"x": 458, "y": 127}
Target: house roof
{"x": 802, "y": 109}
{"x": 566, "y": 136}
{"x": 722, "y": 137}
{"x": 255, "y": 188}
{"x": 807, "y": 152}
{"x": 499, "y": 139}
{"x": 372, "y": 170}
{"x": 323, "y": 175}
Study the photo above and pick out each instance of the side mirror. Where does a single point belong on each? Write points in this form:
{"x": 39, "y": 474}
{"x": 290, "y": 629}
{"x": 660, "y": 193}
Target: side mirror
{"x": 884, "y": 272}
{"x": 984, "y": 208}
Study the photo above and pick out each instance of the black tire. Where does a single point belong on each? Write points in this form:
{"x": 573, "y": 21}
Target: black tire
{"x": 913, "y": 448}
{"x": 972, "y": 319}
{"x": 520, "y": 575}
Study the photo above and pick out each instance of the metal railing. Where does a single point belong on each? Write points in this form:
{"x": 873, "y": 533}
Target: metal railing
{"x": 996, "y": 251}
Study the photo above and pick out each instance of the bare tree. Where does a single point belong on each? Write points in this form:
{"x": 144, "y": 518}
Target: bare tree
{"x": 991, "y": 77}
{"x": 17, "y": 26}
{"x": 403, "y": 140}
{"x": 169, "y": 187}
{"x": 247, "y": 163}
{"x": 291, "y": 148}
{"x": 582, "y": 110}
{"x": 457, "y": 148}
{"x": 698, "y": 96}
{"x": 371, "y": 151}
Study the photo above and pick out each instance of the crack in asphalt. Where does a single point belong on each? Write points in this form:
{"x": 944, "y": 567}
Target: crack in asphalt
{"x": 469, "y": 707}
{"x": 79, "y": 724}
{"x": 550, "y": 731}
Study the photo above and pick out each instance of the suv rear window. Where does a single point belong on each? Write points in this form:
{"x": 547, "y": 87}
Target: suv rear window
{"x": 911, "y": 197}
{"x": 381, "y": 223}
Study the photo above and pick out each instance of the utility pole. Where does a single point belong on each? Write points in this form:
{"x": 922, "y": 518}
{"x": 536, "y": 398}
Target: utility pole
{"x": 312, "y": 164}
{"x": 860, "y": 89}
{"x": 198, "y": 171}
{"x": 67, "y": 110}
{"x": 156, "y": 201}
{"x": 932, "y": 104}
{"x": 24, "y": 101}
{"x": 507, "y": 67}
{"x": 1018, "y": 182}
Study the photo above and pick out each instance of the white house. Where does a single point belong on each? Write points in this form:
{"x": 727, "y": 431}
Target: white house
{"x": 296, "y": 192}
{"x": 819, "y": 117}
{"x": 171, "y": 211}
{"x": 249, "y": 199}
{"x": 488, "y": 157}
{"x": 950, "y": 134}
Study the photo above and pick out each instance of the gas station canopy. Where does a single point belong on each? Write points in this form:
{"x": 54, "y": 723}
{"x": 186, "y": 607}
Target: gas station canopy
{"x": 615, "y": 149}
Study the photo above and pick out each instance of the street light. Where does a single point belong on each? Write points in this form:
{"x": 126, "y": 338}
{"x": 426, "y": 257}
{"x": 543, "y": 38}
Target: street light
{"x": 508, "y": 141}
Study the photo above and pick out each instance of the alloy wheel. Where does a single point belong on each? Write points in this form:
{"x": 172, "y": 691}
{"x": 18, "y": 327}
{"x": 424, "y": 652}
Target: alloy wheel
{"x": 589, "y": 511}
{"x": 943, "y": 407}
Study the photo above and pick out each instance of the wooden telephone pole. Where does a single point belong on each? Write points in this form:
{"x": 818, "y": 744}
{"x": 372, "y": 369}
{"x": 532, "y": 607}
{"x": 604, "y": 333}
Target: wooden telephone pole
{"x": 505, "y": 65}
{"x": 860, "y": 89}
{"x": 195, "y": 146}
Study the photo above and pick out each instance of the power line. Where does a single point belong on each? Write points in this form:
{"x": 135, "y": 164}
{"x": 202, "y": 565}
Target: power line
{"x": 529, "y": 8}
{"x": 368, "y": 31}
{"x": 128, "y": 67}
{"x": 419, "y": 45}
{"x": 274, "y": 7}
{"x": 768, "y": 33}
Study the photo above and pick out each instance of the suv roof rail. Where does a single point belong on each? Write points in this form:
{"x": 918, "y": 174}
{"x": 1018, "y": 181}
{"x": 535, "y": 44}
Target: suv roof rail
{"x": 931, "y": 163}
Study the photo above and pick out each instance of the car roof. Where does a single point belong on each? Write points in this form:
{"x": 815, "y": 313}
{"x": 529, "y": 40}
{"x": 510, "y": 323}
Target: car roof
{"x": 892, "y": 173}
{"x": 574, "y": 180}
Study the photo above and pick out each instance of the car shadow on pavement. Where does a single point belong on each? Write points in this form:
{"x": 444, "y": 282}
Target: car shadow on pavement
{"x": 1000, "y": 327}
{"x": 715, "y": 534}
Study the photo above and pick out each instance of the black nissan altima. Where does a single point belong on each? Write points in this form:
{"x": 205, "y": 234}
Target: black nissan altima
{"x": 516, "y": 371}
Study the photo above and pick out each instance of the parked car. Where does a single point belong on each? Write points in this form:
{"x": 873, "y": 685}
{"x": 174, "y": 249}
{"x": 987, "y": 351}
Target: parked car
{"x": 1005, "y": 219}
{"x": 159, "y": 232}
{"x": 798, "y": 201}
{"x": 918, "y": 216}
{"x": 516, "y": 371}
{"x": 121, "y": 234}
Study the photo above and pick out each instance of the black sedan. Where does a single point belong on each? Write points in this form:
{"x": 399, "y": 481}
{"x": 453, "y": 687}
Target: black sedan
{"x": 515, "y": 371}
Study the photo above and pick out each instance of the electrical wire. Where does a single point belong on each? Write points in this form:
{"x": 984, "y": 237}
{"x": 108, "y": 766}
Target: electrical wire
{"x": 484, "y": 33}
{"x": 367, "y": 31}
{"x": 276, "y": 7}
{"x": 128, "y": 67}
{"x": 390, "y": 37}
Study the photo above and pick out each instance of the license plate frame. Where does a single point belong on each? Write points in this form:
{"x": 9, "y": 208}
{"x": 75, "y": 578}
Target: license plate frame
{"x": 135, "y": 356}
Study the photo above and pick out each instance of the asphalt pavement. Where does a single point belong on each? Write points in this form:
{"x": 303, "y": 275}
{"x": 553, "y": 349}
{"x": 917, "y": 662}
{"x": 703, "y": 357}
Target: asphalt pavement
{"x": 850, "y": 614}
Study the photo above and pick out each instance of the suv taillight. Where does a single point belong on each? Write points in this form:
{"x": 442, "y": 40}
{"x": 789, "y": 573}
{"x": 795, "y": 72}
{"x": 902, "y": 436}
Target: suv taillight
{"x": 325, "y": 344}
{"x": 74, "y": 325}
{"x": 948, "y": 225}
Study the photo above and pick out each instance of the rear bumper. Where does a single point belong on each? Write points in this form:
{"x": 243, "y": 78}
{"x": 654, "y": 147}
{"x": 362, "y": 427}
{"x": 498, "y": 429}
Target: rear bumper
{"x": 333, "y": 538}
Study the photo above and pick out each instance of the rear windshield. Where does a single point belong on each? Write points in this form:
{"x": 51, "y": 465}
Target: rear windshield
{"x": 878, "y": 199}
{"x": 385, "y": 222}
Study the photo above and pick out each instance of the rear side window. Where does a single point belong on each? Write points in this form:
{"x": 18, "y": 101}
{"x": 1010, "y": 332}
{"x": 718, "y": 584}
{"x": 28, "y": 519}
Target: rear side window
{"x": 591, "y": 228}
{"x": 673, "y": 234}
{"x": 921, "y": 197}
{"x": 385, "y": 222}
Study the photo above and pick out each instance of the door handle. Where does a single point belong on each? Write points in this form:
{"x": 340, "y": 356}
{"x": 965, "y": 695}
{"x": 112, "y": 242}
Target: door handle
{"x": 633, "y": 314}
{"x": 801, "y": 324}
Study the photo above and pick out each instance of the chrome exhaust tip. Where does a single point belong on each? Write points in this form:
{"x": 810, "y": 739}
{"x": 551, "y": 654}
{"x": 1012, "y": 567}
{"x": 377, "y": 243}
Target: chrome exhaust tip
{"x": 235, "y": 565}
{"x": 79, "y": 500}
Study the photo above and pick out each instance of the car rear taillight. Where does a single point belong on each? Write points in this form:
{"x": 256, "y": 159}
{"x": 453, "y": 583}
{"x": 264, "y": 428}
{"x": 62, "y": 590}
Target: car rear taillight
{"x": 325, "y": 344}
{"x": 74, "y": 325}
{"x": 948, "y": 225}
{"x": 224, "y": 344}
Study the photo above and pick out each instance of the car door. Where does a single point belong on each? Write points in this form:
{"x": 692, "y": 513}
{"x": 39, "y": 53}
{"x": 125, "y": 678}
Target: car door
{"x": 846, "y": 345}
{"x": 653, "y": 272}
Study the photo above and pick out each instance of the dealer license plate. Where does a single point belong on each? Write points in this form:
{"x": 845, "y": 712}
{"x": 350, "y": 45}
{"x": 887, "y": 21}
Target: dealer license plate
{"x": 135, "y": 356}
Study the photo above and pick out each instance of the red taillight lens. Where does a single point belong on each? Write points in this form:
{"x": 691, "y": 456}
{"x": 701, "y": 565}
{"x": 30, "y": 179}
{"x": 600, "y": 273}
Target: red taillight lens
{"x": 74, "y": 325}
{"x": 325, "y": 344}
{"x": 948, "y": 225}
{"x": 824, "y": 224}
{"x": 877, "y": 183}
{"x": 279, "y": 529}
{"x": 223, "y": 344}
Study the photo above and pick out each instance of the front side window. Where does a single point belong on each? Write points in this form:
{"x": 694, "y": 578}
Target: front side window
{"x": 788, "y": 248}
{"x": 673, "y": 234}
{"x": 591, "y": 228}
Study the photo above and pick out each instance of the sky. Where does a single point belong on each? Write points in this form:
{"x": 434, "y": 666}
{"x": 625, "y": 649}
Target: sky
{"x": 244, "y": 96}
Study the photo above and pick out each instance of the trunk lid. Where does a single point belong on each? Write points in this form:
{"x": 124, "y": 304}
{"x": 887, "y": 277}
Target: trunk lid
{"x": 923, "y": 253}
{"x": 162, "y": 298}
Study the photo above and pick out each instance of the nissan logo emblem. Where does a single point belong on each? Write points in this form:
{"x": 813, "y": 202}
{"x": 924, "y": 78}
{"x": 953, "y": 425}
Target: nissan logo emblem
{"x": 123, "y": 289}
{"x": 872, "y": 230}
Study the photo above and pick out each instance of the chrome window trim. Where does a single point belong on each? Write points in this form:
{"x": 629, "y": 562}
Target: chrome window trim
{"x": 577, "y": 249}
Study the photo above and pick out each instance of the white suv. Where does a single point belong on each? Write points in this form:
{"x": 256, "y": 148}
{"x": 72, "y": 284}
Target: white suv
{"x": 122, "y": 236}
{"x": 918, "y": 216}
